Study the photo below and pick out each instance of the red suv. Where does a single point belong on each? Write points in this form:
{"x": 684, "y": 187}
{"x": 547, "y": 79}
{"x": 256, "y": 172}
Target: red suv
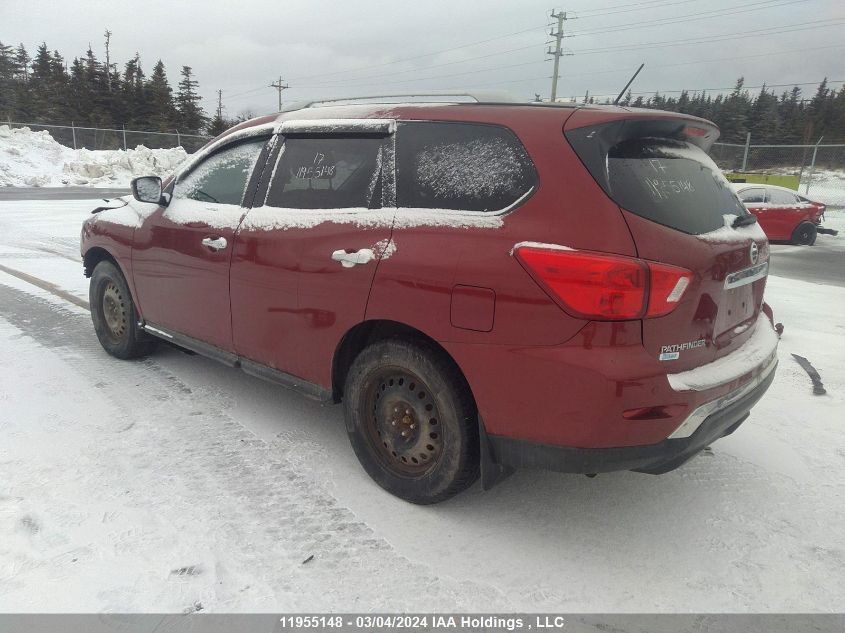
{"x": 485, "y": 286}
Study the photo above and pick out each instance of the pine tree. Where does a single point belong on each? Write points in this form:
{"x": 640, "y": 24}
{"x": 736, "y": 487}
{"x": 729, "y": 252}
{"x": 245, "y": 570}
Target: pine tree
{"x": 159, "y": 96}
{"x": 22, "y": 59}
{"x": 8, "y": 73}
{"x": 191, "y": 115}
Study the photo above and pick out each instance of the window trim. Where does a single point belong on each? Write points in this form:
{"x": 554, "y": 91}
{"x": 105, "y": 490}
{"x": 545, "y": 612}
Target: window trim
{"x": 535, "y": 186}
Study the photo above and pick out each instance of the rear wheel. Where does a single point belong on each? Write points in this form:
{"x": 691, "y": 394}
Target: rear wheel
{"x": 804, "y": 234}
{"x": 114, "y": 315}
{"x": 411, "y": 421}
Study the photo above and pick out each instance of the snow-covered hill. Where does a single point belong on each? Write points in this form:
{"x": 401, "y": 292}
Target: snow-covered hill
{"x": 34, "y": 159}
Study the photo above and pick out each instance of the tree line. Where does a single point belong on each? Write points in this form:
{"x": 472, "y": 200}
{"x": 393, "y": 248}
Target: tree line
{"x": 785, "y": 119}
{"x": 44, "y": 88}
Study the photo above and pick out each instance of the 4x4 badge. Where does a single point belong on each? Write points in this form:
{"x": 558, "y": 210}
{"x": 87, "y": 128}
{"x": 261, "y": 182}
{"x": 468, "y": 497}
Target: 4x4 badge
{"x": 754, "y": 253}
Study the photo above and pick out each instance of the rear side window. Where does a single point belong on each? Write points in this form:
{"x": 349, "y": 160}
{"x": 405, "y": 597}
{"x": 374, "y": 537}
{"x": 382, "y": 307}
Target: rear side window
{"x": 328, "y": 173}
{"x": 460, "y": 166}
{"x": 671, "y": 182}
{"x": 222, "y": 177}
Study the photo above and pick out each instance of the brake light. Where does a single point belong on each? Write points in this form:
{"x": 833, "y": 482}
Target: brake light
{"x": 689, "y": 130}
{"x": 604, "y": 287}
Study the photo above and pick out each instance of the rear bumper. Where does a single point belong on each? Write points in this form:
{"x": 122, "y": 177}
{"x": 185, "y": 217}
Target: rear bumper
{"x": 653, "y": 458}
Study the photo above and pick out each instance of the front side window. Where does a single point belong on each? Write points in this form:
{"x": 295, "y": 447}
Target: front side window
{"x": 222, "y": 177}
{"x": 753, "y": 196}
{"x": 460, "y": 166}
{"x": 328, "y": 173}
{"x": 782, "y": 198}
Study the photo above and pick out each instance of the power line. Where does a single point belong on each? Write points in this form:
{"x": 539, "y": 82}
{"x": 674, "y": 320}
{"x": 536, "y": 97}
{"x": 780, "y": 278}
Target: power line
{"x": 352, "y": 82}
{"x": 775, "y": 30}
{"x": 621, "y": 8}
{"x": 461, "y": 61}
{"x": 617, "y": 71}
{"x": 631, "y": 7}
{"x": 690, "y": 17}
{"x": 438, "y": 52}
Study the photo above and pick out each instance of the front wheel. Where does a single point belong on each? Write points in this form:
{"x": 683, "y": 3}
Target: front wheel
{"x": 804, "y": 234}
{"x": 411, "y": 421}
{"x": 114, "y": 315}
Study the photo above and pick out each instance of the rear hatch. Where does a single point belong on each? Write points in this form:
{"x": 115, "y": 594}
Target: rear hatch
{"x": 681, "y": 211}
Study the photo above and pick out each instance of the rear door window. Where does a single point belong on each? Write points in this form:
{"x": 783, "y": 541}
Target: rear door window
{"x": 460, "y": 166}
{"x": 328, "y": 173}
{"x": 782, "y": 198}
{"x": 753, "y": 196}
{"x": 673, "y": 183}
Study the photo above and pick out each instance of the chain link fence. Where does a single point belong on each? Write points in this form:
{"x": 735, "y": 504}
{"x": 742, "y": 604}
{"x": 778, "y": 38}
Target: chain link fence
{"x": 817, "y": 171}
{"x": 116, "y": 138}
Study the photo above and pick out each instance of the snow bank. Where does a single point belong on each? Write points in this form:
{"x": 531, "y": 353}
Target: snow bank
{"x": 34, "y": 159}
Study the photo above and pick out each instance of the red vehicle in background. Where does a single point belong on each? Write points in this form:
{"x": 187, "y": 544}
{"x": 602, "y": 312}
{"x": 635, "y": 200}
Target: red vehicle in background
{"x": 784, "y": 215}
{"x": 484, "y": 286}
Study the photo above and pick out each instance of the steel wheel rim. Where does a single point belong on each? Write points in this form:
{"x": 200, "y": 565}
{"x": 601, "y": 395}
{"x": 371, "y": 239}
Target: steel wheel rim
{"x": 403, "y": 423}
{"x": 114, "y": 310}
{"x": 804, "y": 236}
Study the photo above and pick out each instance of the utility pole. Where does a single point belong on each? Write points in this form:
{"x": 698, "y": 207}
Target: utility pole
{"x": 557, "y": 53}
{"x": 279, "y": 86}
{"x": 220, "y": 105}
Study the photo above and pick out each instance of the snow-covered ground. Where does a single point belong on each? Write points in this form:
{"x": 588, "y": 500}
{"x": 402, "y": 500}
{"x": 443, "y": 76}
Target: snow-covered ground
{"x": 34, "y": 159}
{"x": 173, "y": 483}
{"x": 826, "y": 186}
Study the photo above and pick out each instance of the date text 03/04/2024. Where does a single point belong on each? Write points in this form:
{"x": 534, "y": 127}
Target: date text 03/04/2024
{"x": 428, "y": 622}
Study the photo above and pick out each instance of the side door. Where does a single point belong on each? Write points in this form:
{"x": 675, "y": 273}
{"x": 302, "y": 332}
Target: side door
{"x": 306, "y": 253}
{"x": 182, "y": 252}
{"x": 784, "y": 213}
{"x": 754, "y": 200}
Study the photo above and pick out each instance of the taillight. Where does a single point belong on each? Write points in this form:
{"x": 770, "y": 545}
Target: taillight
{"x": 605, "y": 287}
{"x": 668, "y": 285}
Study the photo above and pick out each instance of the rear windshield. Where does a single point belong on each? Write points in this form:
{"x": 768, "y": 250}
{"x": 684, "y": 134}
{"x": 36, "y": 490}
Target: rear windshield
{"x": 672, "y": 183}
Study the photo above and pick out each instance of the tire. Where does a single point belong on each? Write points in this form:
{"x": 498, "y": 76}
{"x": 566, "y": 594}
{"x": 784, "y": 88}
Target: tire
{"x": 804, "y": 234}
{"x": 114, "y": 315}
{"x": 412, "y": 421}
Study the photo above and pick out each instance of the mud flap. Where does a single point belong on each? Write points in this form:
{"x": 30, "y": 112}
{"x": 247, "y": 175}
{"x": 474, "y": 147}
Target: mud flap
{"x": 492, "y": 473}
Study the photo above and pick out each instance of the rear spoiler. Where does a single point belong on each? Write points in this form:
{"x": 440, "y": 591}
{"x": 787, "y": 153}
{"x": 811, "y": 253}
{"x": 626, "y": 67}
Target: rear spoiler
{"x": 592, "y": 137}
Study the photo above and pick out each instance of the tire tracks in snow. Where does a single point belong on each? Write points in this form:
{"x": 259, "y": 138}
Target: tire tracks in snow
{"x": 260, "y": 517}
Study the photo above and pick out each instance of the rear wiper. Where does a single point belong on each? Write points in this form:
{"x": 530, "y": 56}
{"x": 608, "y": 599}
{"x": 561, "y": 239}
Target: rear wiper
{"x": 744, "y": 220}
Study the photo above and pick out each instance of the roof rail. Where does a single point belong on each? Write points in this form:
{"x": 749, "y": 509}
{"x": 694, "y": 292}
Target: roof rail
{"x": 483, "y": 96}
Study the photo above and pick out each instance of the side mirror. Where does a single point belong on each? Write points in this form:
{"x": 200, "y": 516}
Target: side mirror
{"x": 148, "y": 189}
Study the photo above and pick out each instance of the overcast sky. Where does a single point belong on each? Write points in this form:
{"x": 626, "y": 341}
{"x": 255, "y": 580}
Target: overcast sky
{"x": 324, "y": 49}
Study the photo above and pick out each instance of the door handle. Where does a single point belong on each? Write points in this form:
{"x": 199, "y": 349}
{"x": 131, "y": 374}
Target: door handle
{"x": 215, "y": 243}
{"x": 348, "y": 260}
